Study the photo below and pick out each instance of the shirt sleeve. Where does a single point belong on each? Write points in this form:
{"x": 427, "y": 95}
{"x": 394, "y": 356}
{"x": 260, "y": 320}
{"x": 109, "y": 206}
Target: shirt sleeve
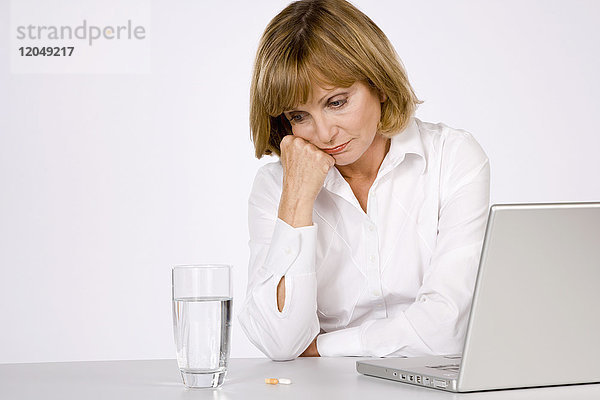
{"x": 435, "y": 323}
{"x": 276, "y": 250}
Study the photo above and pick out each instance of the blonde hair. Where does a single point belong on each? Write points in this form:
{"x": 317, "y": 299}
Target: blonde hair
{"x": 332, "y": 43}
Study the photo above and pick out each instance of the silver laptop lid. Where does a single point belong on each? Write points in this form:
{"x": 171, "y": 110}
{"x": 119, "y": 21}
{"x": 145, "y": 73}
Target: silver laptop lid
{"x": 535, "y": 318}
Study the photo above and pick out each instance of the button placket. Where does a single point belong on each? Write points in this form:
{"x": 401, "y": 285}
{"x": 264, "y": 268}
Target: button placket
{"x": 372, "y": 253}
{"x": 372, "y": 246}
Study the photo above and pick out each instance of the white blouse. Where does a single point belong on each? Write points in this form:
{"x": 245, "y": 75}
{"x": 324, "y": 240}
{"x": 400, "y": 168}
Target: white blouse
{"x": 395, "y": 281}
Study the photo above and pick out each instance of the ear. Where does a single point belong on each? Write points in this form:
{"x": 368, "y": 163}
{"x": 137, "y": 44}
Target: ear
{"x": 382, "y": 95}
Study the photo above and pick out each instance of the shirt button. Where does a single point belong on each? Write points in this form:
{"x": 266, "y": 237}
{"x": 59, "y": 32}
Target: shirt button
{"x": 288, "y": 250}
{"x": 376, "y": 292}
{"x": 372, "y": 258}
{"x": 371, "y": 228}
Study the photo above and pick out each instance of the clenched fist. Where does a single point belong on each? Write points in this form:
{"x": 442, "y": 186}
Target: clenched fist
{"x": 305, "y": 167}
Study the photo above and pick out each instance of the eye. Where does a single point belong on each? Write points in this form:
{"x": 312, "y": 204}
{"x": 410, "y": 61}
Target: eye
{"x": 337, "y": 103}
{"x": 296, "y": 118}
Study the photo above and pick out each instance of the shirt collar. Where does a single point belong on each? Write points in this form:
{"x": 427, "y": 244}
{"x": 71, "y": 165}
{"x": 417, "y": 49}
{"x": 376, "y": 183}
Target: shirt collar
{"x": 406, "y": 142}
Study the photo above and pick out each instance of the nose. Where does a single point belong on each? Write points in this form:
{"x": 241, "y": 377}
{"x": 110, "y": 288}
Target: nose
{"x": 325, "y": 131}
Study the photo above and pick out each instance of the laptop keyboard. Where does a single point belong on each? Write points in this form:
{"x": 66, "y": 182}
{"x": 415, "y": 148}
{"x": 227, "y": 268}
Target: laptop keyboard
{"x": 446, "y": 367}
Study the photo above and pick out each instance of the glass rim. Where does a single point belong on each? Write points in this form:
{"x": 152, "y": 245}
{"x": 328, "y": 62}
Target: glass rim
{"x": 203, "y": 266}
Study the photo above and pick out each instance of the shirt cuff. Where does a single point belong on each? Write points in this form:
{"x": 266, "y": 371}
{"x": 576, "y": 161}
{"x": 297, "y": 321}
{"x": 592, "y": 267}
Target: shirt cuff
{"x": 292, "y": 250}
{"x": 345, "y": 342}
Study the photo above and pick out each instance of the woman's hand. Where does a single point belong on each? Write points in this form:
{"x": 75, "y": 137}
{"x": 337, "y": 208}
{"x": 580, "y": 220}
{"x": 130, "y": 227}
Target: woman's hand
{"x": 305, "y": 167}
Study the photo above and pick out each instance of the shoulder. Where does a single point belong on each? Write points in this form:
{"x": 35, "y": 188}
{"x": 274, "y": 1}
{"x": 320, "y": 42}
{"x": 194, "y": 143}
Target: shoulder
{"x": 270, "y": 174}
{"x": 268, "y": 183}
{"x": 448, "y": 142}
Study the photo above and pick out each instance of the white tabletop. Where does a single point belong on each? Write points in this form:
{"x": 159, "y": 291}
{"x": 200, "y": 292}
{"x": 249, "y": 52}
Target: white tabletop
{"x": 313, "y": 378}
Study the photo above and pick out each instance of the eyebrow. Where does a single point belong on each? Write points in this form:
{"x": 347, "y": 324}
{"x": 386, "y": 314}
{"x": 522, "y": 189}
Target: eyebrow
{"x": 323, "y": 98}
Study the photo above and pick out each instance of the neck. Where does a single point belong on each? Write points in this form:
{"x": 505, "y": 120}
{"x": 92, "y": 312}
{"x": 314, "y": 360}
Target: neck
{"x": 367, "y": 166}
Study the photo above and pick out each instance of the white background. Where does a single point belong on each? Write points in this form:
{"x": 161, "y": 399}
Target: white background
{"x": 108, "y": 180}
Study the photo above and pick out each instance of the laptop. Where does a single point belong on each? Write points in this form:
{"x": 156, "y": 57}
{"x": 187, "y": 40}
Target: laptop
{"x": 535, "y": 316}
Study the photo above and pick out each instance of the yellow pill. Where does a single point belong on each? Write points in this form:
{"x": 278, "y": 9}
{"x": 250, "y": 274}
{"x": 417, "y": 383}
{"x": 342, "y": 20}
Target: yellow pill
{"x": 271, "y": 381}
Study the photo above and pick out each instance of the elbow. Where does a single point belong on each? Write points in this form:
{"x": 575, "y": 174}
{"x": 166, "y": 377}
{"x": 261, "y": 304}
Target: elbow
{"x": 287, "y": 346}
{"x": 280, "y": 354}
{"x": 277, "y": 350}
{"x": 278, "y": 344}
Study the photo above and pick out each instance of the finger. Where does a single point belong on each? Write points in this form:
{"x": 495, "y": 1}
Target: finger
{"x": 285, "y": 141}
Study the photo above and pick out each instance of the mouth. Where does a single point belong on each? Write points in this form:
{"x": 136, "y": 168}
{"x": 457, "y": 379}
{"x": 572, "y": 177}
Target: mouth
{"x": 338, "y": 149}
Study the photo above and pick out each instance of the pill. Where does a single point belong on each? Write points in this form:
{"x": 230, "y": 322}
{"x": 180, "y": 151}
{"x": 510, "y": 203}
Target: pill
{"x": 285, "y": 381}
{"x": 271, "y": 381}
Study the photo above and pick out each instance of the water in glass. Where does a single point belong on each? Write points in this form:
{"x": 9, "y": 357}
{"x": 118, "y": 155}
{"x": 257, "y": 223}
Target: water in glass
{"x": 202, "y": 336}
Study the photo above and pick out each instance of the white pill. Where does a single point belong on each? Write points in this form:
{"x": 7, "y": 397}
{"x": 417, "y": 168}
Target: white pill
{"x": 285, "y": 381}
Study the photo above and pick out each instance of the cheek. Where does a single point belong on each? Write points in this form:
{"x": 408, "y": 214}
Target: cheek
{"x": 301, "y": 132}
{"x": 363, "y": 121}
{"x": 373, "y": 113}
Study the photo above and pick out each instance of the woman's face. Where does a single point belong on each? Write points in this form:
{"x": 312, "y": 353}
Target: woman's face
{"x": 340, "y": 121}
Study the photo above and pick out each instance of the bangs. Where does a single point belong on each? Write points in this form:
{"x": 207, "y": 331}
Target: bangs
{"x": 287, "y": 83}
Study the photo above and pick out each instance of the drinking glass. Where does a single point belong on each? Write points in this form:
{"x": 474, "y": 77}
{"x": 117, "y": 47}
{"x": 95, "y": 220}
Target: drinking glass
{"x": 202, "y": 302}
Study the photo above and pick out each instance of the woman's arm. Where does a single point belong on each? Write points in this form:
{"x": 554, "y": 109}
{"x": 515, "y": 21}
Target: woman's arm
{"x": 304, "y": 170}
{"x": 296, "y": 212}
{"x": 279, "y": 315}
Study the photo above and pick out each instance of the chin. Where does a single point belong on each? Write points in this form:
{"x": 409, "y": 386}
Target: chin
{"x": 344, "y": 159}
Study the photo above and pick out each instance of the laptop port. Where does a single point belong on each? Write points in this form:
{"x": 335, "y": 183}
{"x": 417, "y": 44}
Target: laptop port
{"x": 440, "y": 384}
{"x": 418, "y": 378}
{"x": 411, "y": 378}
{"x": 426, "y": 381}
{"x": 403, "y": 377}
{"x": 395, "y": 373}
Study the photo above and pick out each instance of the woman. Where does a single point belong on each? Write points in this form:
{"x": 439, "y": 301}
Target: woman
{"x": 365, "y": 237}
